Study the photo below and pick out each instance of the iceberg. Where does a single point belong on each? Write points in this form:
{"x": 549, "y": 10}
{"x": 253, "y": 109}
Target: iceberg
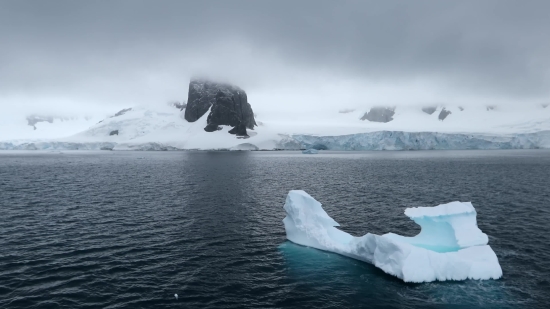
{"x": 450, "y": 246}
{"x": 310, "y": 151}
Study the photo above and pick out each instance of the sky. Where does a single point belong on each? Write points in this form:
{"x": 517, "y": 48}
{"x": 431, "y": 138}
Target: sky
{"x": 77, "y": 57}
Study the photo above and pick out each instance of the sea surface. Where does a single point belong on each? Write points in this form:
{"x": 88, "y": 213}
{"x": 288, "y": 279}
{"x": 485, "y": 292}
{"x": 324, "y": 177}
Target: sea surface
{"x": 131, "y": 229}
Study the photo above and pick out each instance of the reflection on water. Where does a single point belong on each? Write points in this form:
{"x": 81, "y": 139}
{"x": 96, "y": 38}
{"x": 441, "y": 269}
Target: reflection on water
{"x": 356, "y": 282}
{"x": 129, "y": 230}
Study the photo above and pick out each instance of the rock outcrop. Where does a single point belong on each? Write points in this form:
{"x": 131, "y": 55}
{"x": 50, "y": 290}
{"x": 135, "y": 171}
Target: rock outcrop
{"x": 443, "y": 114}
{"x": 429, "y": 109}
{"x": 379, "y": 114}
{"x": 33, "y": 120}
{"x": 122, "y": 112}
{"x": 227, "y": 103}
{"x": 239, "y": 130}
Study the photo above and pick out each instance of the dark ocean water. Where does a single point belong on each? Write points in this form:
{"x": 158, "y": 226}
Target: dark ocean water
{"x": 131, "y": 229}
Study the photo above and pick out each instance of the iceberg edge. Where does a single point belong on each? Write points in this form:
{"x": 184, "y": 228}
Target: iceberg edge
{"x": 449, "y": 247}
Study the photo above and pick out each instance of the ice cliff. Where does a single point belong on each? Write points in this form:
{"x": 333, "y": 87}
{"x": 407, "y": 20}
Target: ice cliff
{"x": 449, "y": 247}
{"x": 382, "y": 140}
{"x": 398, "y": 140}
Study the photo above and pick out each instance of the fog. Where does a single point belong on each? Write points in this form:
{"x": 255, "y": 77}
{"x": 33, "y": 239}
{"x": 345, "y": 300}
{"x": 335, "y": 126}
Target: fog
{"x": 85, "y": 57}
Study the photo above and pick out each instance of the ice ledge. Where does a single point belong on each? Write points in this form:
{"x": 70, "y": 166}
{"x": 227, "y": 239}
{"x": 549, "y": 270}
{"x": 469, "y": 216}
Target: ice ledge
{"x": 453, "y": 208}
{"x": 449, "y": 247}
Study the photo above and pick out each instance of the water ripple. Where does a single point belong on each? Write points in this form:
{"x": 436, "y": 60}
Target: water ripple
{"x": 109, "y": 230}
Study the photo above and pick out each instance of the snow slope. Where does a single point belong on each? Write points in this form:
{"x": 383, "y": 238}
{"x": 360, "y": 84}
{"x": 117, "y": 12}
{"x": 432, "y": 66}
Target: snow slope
{"x": 472, "y": 119}
{"x": 450, "y": 246}
{"x": 163, "y": 127}
{"x": 17, "y": 127}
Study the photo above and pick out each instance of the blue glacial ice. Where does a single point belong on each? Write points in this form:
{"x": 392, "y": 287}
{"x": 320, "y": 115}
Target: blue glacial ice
{"x": 310, "y": 151}
{"x": 399, "y": 140}
{"x": 381, "y": 140}
{"x": 450, "y": 246}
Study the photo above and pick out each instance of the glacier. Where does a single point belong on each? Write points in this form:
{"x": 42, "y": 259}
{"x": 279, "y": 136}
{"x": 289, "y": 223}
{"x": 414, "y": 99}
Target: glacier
{"x": 380, "y": 140}
{"x": 399, "y": 140}
{"x": 450, "y": 246}
{"x": 163, "y": 127}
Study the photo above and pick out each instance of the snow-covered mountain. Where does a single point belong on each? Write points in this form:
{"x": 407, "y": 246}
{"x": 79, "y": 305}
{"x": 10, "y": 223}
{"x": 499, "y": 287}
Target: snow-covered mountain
{"x": 43, "y": 125}
{"x": 219, "y": 116}
{"x": 163, "y": 127}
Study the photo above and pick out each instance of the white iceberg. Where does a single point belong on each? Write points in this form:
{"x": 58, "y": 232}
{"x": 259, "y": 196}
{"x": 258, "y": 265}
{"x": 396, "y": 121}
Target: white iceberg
{"x": 450, "y": 246}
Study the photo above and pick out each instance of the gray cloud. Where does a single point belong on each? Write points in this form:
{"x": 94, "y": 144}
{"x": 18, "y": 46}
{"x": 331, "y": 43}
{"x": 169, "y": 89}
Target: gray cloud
{"x": 121, "y": 52}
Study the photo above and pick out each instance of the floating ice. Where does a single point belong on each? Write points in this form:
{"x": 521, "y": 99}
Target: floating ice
{"x": 310, "y": 151}
{"x": 450, "y": 246}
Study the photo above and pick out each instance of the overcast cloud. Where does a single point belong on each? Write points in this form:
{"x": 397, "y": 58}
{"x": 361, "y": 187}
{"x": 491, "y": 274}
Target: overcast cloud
{"x": 82, "y": 55}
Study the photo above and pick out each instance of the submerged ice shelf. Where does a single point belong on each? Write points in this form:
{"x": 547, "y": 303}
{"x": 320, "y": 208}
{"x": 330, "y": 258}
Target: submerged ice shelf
{"x": 450, "y": 246}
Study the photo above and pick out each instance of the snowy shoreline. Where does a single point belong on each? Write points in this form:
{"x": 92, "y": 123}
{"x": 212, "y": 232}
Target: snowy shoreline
{"x": 162, "y": 128}
{"x": 380, "y": 140}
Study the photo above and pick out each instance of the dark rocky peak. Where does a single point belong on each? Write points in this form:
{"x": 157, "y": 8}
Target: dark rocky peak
{"x": 443, "y": 114}
{"x": 429, "y": 109}
{"x": 228, "y": 105}
{"x": 461, "y": 108}
{"x": 544, "y": 105}
{"x": 202, "y": 95}
{"x": 491, "y": 107}
{"x": 380, "y": 114}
